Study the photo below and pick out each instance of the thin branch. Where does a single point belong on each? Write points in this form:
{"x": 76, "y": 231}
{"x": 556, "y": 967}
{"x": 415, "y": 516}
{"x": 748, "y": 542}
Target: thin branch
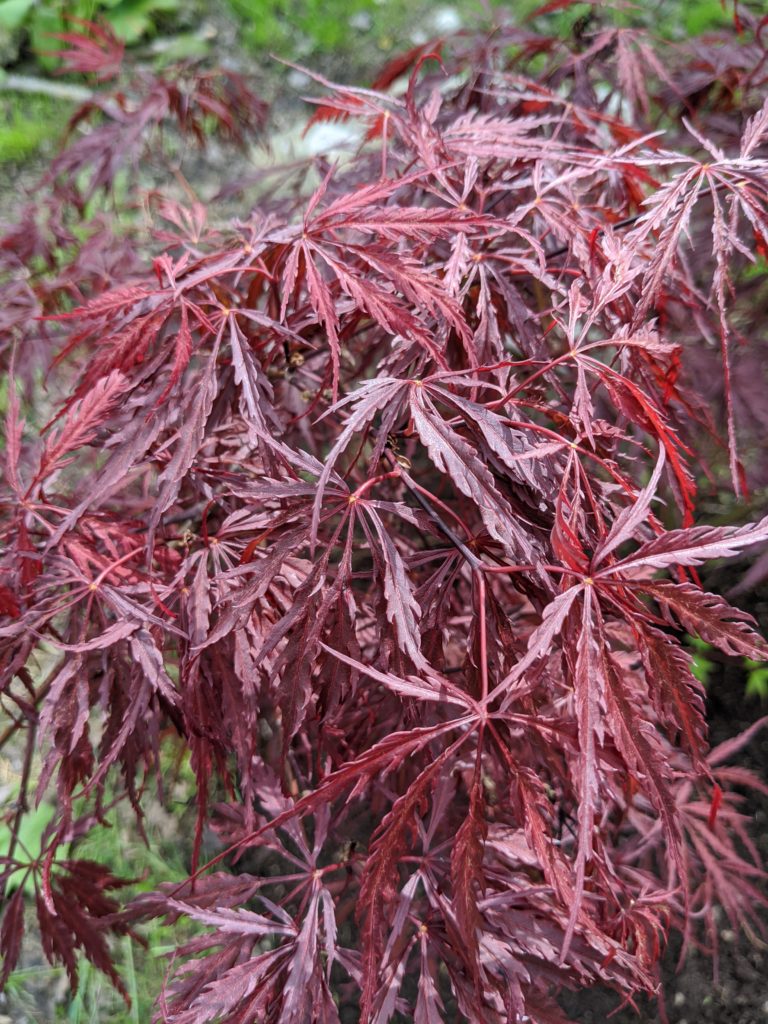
{"x": 432, "y": 512}
{"x": 43, "y": 87}
{"x": 625, "y": 223}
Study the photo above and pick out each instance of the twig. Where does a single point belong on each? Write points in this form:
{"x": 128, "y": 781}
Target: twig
{"x": 432, "y": 512}
{"x": 625, "y": 223}
{"x": 42, "y": 87}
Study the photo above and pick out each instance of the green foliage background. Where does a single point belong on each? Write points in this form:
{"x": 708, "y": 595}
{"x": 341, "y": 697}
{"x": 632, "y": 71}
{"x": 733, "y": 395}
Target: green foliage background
{"x": 346, "y": 39}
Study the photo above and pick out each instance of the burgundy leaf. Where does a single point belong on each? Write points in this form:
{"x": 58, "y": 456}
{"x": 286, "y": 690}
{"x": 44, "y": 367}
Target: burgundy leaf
{"x": 710, "y": 617}
{"x": 11, "y": 933}
{"x": 691, "y": 547}
{"x": 466, "y": 870}
{"x": 457, "y": 459}
{"x": 677, "y": 692}
{"x": 630, "y": 518}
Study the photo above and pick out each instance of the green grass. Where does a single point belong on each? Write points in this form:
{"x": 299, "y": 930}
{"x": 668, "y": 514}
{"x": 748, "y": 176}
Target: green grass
{"x": 29, "y": 124}
{"x": 757, "y": 680}
{"x": 347, "y": 39}
{"x": 351, "y": 39}
{"x": 119, "y": 847}
{"x": 165, "y": 860}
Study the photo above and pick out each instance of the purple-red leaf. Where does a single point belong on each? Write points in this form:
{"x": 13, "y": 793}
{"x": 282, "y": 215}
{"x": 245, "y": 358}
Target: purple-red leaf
{"x": 710, "y": 617}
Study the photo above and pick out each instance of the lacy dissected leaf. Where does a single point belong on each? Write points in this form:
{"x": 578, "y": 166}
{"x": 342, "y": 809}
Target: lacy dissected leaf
{"x": 540, "y": 641}
{"x": 677, "y": 692}
{"x": 528, "y": 463}
{"x": 368, "y": 401}
{"x": 190, "y": 435}
{"x": 633, "y": 402}
{"x": 11, "y": 933}
{"x": 96, "y": 49}
{"x": 590, "y": 698}
{"x": 630, "y": 518}
{"x": 639, "y": 744}
{"x": 402, "y": 607}
{"x": 78, "y": 916}
{"x": 693, "y": 546}
{"x": 466, "y": 870}
{"x": 81, "y": 423}
{"x": 453, "y": 456}
{"x": 710, "y": 617}
{"x": 378, "y": 885}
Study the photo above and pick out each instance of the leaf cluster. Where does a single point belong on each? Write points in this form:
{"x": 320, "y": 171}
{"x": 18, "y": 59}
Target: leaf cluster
{"x": 384, "y": 501}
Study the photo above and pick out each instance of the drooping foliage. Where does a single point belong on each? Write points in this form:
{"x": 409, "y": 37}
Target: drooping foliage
{"x": 380, "y": 501}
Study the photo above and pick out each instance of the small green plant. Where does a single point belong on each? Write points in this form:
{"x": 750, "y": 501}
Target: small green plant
{"x": 28, "y": 24}
{"x": 29, "y": 124}
{"x": 701, "y": 664}
{"x": 757, "y": 679}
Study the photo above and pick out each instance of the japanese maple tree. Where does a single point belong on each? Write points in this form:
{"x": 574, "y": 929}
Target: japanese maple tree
{"x": 380, "y": 501}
